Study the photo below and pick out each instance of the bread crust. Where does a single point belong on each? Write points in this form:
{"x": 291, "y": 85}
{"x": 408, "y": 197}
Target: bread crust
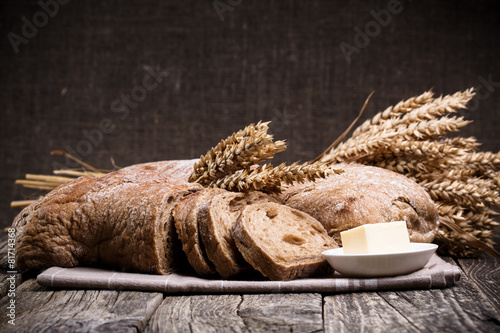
{"x": 120, "y": 220}
{"x": 181, "y": 169}
{"x": 366, "y": 194}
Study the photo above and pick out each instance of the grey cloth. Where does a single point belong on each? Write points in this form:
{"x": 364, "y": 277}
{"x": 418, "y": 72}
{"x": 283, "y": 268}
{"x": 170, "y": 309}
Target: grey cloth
{"x": 436, "y": 274}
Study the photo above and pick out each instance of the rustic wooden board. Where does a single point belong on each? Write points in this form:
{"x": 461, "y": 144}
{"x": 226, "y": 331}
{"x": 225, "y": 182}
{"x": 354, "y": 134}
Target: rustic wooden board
{"x": 235, "y": 313}
{"x": 485, "y": 272}
{"x": 363, "y": 312}
{"x": 39, "y": 309}
{"x": 449, "y": 310}
{"x": 461, "y": 308}
{"x": 282, "y": 312}
{"x": 197, "y": 313}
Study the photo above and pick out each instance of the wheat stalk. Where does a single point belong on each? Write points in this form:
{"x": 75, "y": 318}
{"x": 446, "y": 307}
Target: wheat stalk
{"x": 234, "y": 164}
{"x": 241, "y": 150}
{"x": 409, "y": 138}
{"x": 394, "y": 111}
{"x": 269, "y": 179}
{"x": 50, "y": 182}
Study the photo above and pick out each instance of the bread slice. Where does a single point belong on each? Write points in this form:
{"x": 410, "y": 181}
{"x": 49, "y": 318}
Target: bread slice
{"x": 216, "y": 221}
{"x": 186, "y": 223}
{"x": 281, "y": 242}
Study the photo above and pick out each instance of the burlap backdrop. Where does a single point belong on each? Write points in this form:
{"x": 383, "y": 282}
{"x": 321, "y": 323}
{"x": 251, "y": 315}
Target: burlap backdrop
{"x": 150, "y": 80}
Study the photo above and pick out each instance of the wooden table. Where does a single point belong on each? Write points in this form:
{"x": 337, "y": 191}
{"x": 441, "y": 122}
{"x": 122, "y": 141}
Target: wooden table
{"x": 472, "y": 305}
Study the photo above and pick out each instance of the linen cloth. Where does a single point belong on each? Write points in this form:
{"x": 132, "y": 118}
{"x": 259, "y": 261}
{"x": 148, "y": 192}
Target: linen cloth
{"x": 435, "y": 274}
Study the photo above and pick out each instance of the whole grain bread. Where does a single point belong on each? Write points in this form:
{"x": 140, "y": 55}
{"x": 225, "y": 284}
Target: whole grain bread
{"x": 186, "y": 214}
{"x": 281, "y": 242}
{"x": 121, "y": 220}
{"x": 217, "y": 218}
{"x": 366, "y": 194}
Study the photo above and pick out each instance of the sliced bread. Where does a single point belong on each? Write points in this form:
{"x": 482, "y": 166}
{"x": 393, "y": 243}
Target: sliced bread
{"x": 281, "y": 242}
{"x": 186, "y": 222}
{"x": 216, "y": 220}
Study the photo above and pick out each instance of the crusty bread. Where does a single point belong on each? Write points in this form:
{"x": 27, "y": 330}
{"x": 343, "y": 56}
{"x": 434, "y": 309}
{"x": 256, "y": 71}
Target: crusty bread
{"x": 181, "y": 169}
{"x": 121, "y": 220}
{"x": 281, "y": 242}
{"x": 186, "y": 222}
{"x": 217, "y": 218}
{"x": 365, "y": 194}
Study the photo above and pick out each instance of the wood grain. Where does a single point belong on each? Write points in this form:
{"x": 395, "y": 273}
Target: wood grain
{"x": 282, "y": 312}
{"x": 234, "y": 313}
{"x": 363, "y": 312}
{"x": 458, "y": 309}
{"x": 39, "y": 310}
{"x": 198, "y": 313}
{"x": 485, "y": 272}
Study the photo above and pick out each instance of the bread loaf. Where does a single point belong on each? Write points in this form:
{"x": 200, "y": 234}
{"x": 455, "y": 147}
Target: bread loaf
{"x": 281, "y": 242}
{"x": 365, "y": 194}
{"x": 217, "y": 218}
{"x": 186, "y": 215}
{"x": 121, "y": 220}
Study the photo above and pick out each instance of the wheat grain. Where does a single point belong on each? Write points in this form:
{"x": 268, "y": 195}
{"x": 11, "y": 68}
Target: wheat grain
{"x": 395, "y": 111}
{"x": 409, "y": 138}
{"x": 271, "y": 179}
{"x": 247, "y": 147}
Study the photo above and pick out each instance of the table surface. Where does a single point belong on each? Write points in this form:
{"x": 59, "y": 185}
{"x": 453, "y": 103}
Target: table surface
{"x": 471, "y": 305}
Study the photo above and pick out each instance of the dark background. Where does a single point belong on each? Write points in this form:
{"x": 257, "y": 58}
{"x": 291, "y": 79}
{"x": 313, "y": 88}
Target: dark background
{"x": 65, "y": 87}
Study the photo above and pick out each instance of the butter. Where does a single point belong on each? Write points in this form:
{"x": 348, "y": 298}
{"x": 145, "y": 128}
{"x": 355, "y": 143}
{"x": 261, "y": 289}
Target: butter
{"x": 387, "y": 237}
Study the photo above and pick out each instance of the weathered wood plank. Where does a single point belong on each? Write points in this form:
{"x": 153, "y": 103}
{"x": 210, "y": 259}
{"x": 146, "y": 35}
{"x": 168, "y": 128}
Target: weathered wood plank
{"x": 485, "y": 272}
{"x": 39, "y": 309}
{"x": 282, "y": 312}
{"x": 462, "y": 308}
{"x": 198, "y": 313}
{"x": 363, "y": 312}
{"x": 234, "y": 313}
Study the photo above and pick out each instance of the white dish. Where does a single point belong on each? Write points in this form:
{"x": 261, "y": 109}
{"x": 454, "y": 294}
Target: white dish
{"x": 383, "y": 264}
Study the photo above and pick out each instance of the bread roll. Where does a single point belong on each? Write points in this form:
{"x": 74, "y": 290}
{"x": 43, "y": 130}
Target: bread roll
{"x": 366, "y": 194}
{"x": 121, "y": 220}
{"x": 281, "y": 242}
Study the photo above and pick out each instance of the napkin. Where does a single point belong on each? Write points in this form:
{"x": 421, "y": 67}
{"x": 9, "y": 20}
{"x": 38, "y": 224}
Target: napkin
{"x": 436, "y": 274}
